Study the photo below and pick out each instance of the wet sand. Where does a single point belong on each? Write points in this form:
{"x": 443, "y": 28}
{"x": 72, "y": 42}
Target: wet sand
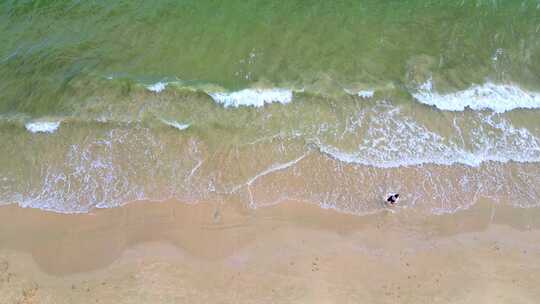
{"x": 217, "y": 252}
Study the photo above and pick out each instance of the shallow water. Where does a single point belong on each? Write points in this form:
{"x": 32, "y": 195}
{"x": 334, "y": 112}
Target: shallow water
{"x": 333, "y": 103}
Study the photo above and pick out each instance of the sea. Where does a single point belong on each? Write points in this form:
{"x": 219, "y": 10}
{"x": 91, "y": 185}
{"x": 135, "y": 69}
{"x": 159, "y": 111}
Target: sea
{"x": 333, "y": 103}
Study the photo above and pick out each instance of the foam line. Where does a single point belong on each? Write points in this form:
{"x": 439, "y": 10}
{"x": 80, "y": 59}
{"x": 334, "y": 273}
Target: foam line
{"x": 252, "y": 97}
{"x": 42, "y": 126}
{"x": 497, "y": 97}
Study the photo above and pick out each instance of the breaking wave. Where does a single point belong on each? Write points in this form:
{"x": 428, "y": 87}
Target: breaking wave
{"x": 42, "y": 126}
{"x": 497, "y": 97}
{"x": 252, "y": 97}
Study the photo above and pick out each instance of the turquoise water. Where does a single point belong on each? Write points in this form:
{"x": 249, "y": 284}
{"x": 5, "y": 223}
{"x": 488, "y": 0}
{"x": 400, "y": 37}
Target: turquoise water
{"x": 95, "y": 95}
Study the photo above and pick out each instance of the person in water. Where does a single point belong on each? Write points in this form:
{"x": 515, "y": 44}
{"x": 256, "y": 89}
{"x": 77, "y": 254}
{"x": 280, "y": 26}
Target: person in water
{"x": 392, "y": 199}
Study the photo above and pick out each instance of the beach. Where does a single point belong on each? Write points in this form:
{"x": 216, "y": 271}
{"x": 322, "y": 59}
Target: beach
{"x": 241, "y": 151}
{"x": 171, "y": 252}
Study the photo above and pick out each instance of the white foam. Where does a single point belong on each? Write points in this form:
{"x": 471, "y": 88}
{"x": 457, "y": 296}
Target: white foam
{"x": 274, "y": 168}
{"x": 252, "y": 97}
{"x": 447, "y": 159}
{"x": 497, "y": 97}
{"x": 175, "y": 124}
{"x": 42, "y": 126}
{"x": 358, "y": 158}
{"x": 365, "y": 94}
{"x": 386, "y": 138}
{"x": 157, "y": 87}
{"x": 449, "y": 156}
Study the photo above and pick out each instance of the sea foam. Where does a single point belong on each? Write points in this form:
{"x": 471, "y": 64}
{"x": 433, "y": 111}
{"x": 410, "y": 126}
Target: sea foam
{"x": 384, "y": 137}
{"x": 42, "y": 126}
{"x": 157, "y": 87}
{"x": 365, "y": 94}
{"x": 447, "y": 158}
{"x": 252, "y": 97}
{"x": 176, "y": 125}
{"x": 497, "y": 97}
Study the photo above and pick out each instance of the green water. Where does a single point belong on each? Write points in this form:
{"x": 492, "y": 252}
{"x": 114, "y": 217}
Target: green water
{"x": 55, "y": 54}
{"x": 82, "y": 69}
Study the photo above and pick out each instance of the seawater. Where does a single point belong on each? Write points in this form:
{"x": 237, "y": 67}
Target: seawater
{"x": 333, "y": 103}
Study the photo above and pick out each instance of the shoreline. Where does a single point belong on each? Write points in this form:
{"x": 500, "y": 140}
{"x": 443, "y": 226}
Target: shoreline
{"x": 290, "y": 253}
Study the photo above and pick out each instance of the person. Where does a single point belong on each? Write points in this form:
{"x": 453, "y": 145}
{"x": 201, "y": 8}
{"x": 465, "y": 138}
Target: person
{"x": 392, "y": 199}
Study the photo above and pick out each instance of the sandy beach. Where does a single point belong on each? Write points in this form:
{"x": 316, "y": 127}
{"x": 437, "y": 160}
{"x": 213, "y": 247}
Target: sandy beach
{"x": 231, "y": 152}
{"x": 209, "y": 252}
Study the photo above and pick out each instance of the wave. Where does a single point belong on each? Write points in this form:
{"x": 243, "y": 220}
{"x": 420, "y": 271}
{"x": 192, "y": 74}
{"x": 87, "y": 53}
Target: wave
{"x": 126, "y": 164}
{"x": 497, "y": 97}
{"x": 252, "y": 97}
{"x": 175, "y": 124}
{"x": 366, "y": 94}
{"x": 384, "y": 137}
{"x": 42, "y": 126}
{"x": 157, "y": 87}
{"x": 447, "y": 158}
{"x": 247, "y": 97}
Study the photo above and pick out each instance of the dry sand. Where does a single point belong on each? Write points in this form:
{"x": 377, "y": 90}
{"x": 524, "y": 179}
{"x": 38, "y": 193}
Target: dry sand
{"x": 171, "y": 252}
